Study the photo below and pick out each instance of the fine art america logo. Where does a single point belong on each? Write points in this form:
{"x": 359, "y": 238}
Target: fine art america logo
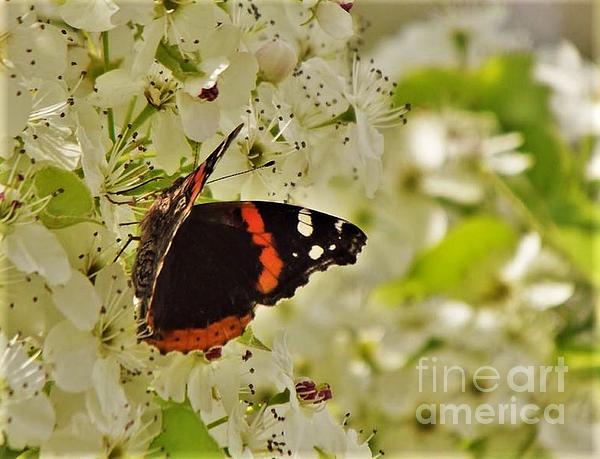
{"x": 515, "y": 382}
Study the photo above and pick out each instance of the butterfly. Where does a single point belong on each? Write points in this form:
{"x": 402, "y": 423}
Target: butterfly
{"x": 200, "y": 270}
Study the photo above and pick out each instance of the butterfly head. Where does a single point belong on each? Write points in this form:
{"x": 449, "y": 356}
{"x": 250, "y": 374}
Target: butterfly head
{"x": 174, "y": 202}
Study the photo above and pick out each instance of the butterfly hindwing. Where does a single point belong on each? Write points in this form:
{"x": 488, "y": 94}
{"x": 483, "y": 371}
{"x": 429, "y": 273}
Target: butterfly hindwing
{"x": 226, "y": 257}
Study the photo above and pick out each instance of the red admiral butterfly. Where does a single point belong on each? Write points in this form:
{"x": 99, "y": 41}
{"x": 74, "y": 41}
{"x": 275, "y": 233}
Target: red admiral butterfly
{"x": 201, "y": 269}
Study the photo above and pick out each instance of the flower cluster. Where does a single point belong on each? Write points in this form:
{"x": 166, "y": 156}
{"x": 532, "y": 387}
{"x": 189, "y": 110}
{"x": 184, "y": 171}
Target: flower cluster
{"x": 107, "y": 102}
{"x": 483, "y": 231}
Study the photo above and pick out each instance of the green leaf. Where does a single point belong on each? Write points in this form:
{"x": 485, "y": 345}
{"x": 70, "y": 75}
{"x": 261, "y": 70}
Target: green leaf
{"x": 7, "y": 453}
{"x": 171, "y": 57}
{"x": 71, "y": 200}
{"x": 505, "y": 86}
{"x": 250, "y": 340}
{"x": 184, "y": 435}
{"x": 554, "y": 189}
{"x": 280, "y": 398}
{"x": 435, "y": 88}
{"x": 584, "y": 358}
{"x": 459, "y": 265}
{"x": 582, "y": 248}
{"x": 550, "y": 171}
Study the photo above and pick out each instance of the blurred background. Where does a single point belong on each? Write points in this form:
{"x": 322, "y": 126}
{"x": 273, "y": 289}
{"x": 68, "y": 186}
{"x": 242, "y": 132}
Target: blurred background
{"x": 547, "y": 21}
{"x": 483, "y": 239}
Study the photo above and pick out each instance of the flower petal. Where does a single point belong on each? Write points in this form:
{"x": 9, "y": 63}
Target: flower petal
{"x": 237, "y": 81}
{"x": 221, "y": 42}
{"x": 169, "y": 141}
{"x": 31, "y": 422}
{"x": 334, "y": 20}
{"x": 200, "y": 119}
{"x": 107, "y": 404}
{"x": 190, "y": 24}
{"x": 144, "y": 56}
{"x": 38, "y": 51}
{"x": 114, "y": 214}
{"x": 111, "y": 280}
{"x": 528, "y": 250}
{"x": 31, "y": 311}
{"x": 116, "y": 88}
{"x": 369, "y": 140}
{"x": 366, "y": 146}
{"x": 456, "y": 187}
{"x": 171, "y": 381}
{"x": 72, "y": 354}
{"x": 543, "y": 295}
{"x": 94, "y": 145}
{"x": 425, "y": 142}
{"x": 90, "y": 15}
{"x": 33, "y": 248}
{"x": 509, "y": 163}
{"x": 78, "y": 439}
{"x": 78, "y": 301}
{"x": 15, "y": 105}
{"x": 137, "y": 12}
{"x": 199, "y": 389}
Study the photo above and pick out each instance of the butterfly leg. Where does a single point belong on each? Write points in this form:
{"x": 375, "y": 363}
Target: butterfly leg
{"x": 130, "y": 238}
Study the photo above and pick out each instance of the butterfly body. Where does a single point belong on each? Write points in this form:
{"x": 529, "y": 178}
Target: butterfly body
{"x": 200, "y": 270}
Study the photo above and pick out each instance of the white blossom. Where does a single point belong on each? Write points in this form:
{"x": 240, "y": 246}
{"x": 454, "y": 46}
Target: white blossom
{"x": 128, "y": 95}
{"x": 89, "y": 15}
{"x": 457, "y": 37}
{"x": 26, "y": 415}
{"x": 33, "y": 248}
{"x": 575, "y": 85}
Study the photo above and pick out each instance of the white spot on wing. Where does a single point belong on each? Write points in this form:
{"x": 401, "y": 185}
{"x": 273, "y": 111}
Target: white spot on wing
{"x": 338, "y": 225}
{"x": 295, "y": 254}
{"x": 315, "y": 252}
{"x": 332, "y": 247}
{"x": 305, "y": 223}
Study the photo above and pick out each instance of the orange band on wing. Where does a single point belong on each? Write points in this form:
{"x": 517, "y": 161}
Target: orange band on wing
{"x": 263, "y": 239}
{"x": 272, "y": 265}
{"x": 201, "y": 339}
{"x": 251, "y": 216}
{"x": 269, "y": 258}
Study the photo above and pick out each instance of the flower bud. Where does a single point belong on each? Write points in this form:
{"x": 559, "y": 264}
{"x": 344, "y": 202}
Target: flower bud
{"x": 276, "y": 60}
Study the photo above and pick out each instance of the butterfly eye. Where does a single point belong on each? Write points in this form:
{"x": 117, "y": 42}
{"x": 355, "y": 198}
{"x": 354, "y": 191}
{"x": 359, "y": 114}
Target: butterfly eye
{"x": 181, "y": 204}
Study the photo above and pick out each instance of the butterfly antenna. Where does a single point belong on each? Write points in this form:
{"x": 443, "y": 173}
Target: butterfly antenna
{"x": 264, "y": 166}
{"x": 195, "y": 155}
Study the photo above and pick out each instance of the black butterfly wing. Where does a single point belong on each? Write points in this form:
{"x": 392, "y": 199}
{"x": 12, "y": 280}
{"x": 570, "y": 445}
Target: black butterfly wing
{"x": 227, "y": 257}
{"x": 304, "y": 240}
